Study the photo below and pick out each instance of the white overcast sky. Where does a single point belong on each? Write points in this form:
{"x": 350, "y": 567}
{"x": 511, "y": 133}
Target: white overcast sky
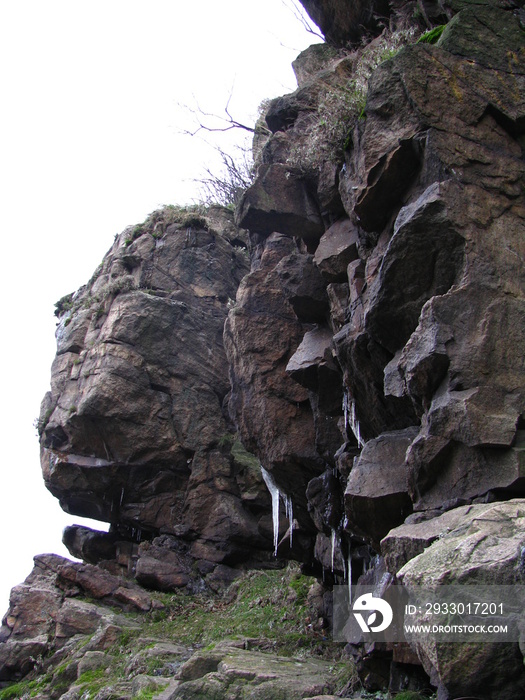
{"x": 90, "y": 120}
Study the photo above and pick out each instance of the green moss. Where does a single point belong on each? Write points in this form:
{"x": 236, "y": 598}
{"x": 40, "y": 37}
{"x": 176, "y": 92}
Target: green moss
{"x": 148, "y": 693}
{"x": 301, "y": 585}
{"x": 243, "y": 458}
{"x": 257, "y": 606}
{"x": 90, "y": 676}
{"x": 226, "y": 440}
{"x": 432, "y": 36}
{"x": 64, "y": 305}
{"x": 17, "y": 691}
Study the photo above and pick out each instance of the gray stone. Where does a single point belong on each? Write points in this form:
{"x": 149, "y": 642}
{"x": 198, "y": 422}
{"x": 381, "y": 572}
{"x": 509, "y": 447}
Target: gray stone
{"x": 483, "y": 549}
{"x": 407, "y": 541}
{"x": 91, "y": 661}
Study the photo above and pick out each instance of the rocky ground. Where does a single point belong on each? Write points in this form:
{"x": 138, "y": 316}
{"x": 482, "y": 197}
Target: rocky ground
{"x": 262, "y": 638}
{"x": 333, "y": 375}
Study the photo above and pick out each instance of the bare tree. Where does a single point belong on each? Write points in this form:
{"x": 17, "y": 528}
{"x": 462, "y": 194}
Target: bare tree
{"x": 226, "y": 186}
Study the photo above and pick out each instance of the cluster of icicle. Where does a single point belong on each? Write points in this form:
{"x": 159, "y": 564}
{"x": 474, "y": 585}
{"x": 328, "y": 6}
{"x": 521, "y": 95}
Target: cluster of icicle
{"x": 276, "y": 497}
{"x": 347, "y": 564}
{"x": 351, "y": 418}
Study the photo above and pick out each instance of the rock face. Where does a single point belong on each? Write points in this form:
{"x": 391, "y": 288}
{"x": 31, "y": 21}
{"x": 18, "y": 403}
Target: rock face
{"x": 356, "y": 331}
{"x": 421, "y": 258}
{"x": 44, "y": 610}
{"x": 133, "y": 431}
{"x": 251, "y": 674}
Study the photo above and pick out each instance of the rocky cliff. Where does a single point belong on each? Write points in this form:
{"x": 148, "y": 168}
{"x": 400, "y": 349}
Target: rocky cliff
{"x": 349, "y": 346}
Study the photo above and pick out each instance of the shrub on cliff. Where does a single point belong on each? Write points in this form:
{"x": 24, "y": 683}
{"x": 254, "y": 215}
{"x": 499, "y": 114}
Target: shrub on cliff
{"x": 341, "y": 104}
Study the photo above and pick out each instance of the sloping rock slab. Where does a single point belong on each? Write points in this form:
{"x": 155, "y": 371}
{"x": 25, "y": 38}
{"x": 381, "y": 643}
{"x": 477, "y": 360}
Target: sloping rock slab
{"x": 411, "y": 539}
{"x": 226, "y": 672}
{"x": 337, "y": 248}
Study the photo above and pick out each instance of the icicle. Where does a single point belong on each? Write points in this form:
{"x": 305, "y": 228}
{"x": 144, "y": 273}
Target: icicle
{"x": 349, "y": 576}
{"x": 121, "y": 495}
{"x": 333, "y": 548}
{"x": 288, "y": 505}
{"x": 354, "y": 426}
{"x": 351, "y": 418}
{"x": 274, "y": 492}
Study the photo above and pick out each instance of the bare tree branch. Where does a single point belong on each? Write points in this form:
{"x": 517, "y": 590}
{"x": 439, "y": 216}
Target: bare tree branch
{"x": 211, "y": 122}
{"x": 299, "y": 14}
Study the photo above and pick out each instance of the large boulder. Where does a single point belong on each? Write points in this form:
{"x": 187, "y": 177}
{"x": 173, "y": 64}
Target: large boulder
{"x": 133, "y": 431}
{"x": 482, "y": 547}
{"x": 282, "y": 200}
{"x": 376, "y": 495}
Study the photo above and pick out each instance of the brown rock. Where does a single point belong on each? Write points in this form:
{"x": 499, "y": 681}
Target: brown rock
{"x": 303, "y": 287}
{"x": 312, "y": 362}
{"x": 337, "y": 248}
{"x": 271, "y": 411}
{"x": 100, "y": 584}
{"x": 131, "y": 426}
{"x": 280, "y": 200}
{"x": 338, "y": 296}
{"x": 78, "y": 617}
{"x": 376, "y": 496}
{"x": 325, "y": 501}
{"x": 423, "y": 259}
{"x": 163, "y": 564}
{"x": 387, "y": 183}
{"x": 90, "y": 545}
